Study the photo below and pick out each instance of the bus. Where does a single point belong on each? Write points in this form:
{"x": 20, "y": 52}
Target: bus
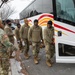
{"x": 63, "y": 18}
{"x": 37, "y": 7}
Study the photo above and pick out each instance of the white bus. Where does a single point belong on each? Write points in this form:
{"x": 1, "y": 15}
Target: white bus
{"x": 63, "y": 18}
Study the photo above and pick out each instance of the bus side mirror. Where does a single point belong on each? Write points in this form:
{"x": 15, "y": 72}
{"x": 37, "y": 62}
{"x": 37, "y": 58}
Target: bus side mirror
{"x": 59, "y": 33}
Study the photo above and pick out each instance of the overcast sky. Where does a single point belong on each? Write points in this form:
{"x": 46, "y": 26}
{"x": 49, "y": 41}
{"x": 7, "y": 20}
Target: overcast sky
{"x": 19, "y": 6}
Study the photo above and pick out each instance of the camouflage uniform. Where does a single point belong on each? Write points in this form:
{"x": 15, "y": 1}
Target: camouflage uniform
{"x": 17, "y": 34}
{"x": 35, "y": 35}
{"x": 5, "y": 47}
{"x": 24, "y": 36}
{"x": 48, "y": 40}
{"x": 10, "y": 34}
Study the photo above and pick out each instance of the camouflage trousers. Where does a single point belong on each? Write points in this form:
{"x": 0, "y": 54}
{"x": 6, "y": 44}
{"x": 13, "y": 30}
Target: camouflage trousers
{"x": 26, "y": 47}
{"x": 4, "y": 66}
{"x": 36, "y": 48}
{"x": 49, "y": 50}
{"x": 11, "y": 39}
{"x": 20, "y": 45}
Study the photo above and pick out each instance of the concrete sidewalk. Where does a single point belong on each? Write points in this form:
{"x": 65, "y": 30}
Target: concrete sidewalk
{"x": 15, "y": 67}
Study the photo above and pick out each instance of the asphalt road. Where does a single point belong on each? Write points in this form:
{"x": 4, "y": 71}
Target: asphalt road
{"x": 43, "y": 69}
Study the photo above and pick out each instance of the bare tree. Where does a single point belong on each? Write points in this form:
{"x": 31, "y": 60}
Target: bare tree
{"x": 6, "y": 11}
{"x": 2, "y": 2}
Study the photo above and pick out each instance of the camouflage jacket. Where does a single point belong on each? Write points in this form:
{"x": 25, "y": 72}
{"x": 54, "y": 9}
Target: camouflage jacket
{"x": 5, "y": 45}
{"x": 24, "y": 32}
{"x": 17, "y": 34}
{"x": 48, "y": 34}
{"x": 8, "y": 31}
{"x": 35, "y": 34}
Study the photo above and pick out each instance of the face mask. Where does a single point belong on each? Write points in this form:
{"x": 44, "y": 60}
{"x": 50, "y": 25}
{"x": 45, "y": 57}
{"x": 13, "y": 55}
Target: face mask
{"x": 9, "y": 25}
{"x": 18, "y": 27}
{"x": 49, "y": 26}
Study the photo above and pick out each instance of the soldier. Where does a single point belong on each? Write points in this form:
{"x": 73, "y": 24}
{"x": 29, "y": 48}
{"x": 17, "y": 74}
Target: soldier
{"x": 5, "y": 47}
{"x": 48, "y": 41}
{"x": 35, "y": 36}
{"x": 17, "y": 34}
{"x": 9, "y": 33}
{"x": 24, "y": 37}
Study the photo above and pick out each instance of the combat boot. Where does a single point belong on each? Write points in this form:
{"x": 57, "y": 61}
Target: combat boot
{"x": 27, "y": 56}
{"x": 48, "y": 63}
{"x": 36, "y": 60}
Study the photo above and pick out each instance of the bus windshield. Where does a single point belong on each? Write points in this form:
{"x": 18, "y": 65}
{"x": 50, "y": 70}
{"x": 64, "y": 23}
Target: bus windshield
{"x": 65, "y": 9}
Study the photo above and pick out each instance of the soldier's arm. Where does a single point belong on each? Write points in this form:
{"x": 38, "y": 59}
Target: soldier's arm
{"x": 41, "y": 35}
{"x": 10, "y": 47}
{"x": 8, "y": 32}
{"x": 53, "y": 35}
{"x": 21, "y": 32}
{"x": 53, "y": 32}
{"x": 5, "y": 41}
{"x": 30, "y": 34}
{"x": 16, "y": 32}
{"x": 46, "y": 36}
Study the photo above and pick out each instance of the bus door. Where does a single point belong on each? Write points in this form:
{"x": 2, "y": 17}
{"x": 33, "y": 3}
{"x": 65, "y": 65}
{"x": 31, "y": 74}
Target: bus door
{"x": 64, "y": 15}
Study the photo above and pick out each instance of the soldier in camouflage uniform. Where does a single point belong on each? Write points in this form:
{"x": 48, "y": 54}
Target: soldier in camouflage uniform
{"x": 48, "y": 41}
{"x": 35, "y": 36}
{"x": 9, "y": 32}
{"x": 24, "y": 37}
{"x": 5, "y": 47}
{"x": 17, "y": 34}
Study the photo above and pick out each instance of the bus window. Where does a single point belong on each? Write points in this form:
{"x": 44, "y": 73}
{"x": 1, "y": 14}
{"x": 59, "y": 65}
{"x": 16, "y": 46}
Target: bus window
{"x": 65, "y": 10}
{"x": 66, "y": 50}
